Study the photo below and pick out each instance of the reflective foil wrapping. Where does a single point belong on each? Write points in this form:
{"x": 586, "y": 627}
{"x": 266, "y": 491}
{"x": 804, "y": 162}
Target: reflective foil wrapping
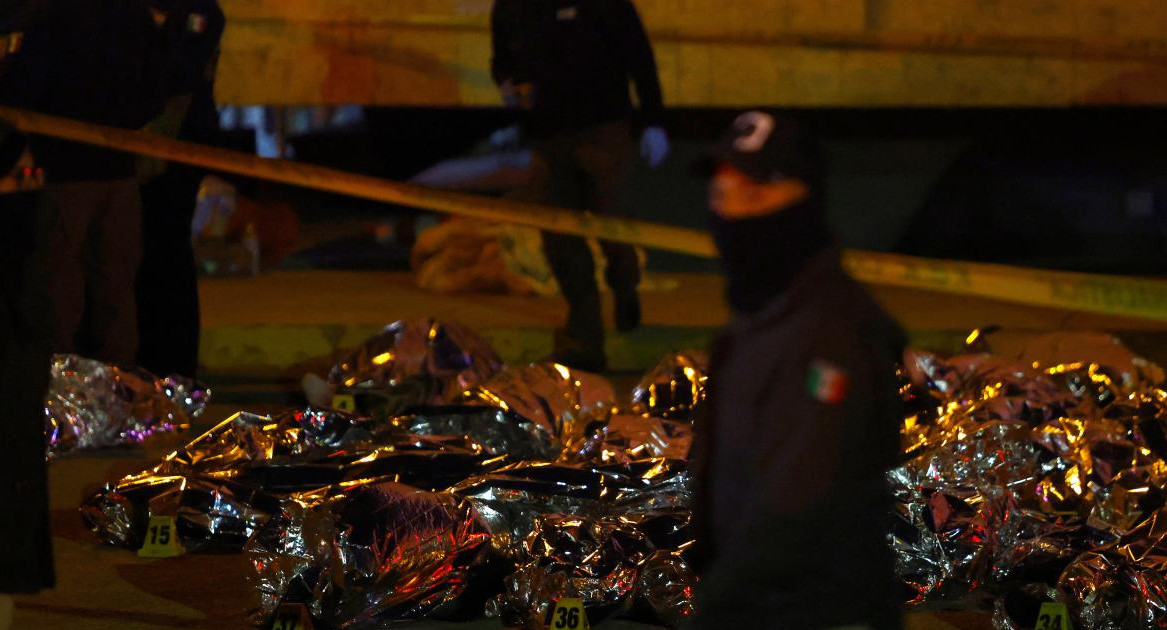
{"x": 555, "y": 399}
{"x": 594, "y": 560}
{"x": 1122, "y": 585}
{"x": 674, "y": 388}
{"x": 498, "y": 431}
{"x": 666, "y": 585}
{"x": 414, "y": 362}
{"x": 511, "y": 499}
{"x": 1019, "y": 476}
{"x": 93, "y": 405}
{"x": 375, "y": 552}
{"x": 226, "y": 483}
{"x": 627, "y": 438}
{"x": 508, "y": 489}
{"x": 611, "y": 563}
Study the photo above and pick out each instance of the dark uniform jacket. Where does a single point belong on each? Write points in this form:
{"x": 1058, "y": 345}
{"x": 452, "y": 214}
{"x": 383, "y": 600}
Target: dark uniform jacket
{"x": 801, "y": 424}
{"x": 90, "y": 60}
{"x": 190, "y": 39}
{"x": 578, "y": 56}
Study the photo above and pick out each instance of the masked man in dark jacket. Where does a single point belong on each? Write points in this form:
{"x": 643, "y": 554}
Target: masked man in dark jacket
{"x": 802, "y": 416}
{"x": 567, "y": 65}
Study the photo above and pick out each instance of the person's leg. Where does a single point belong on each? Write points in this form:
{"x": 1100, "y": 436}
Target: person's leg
{"x": 25, "y": 337}
{"x": 167, "y": 285}
{"x": 606, "y": 154}
{"x": 63, "y": 216}
{"x": 555, "y": 180}
{"x": 113, "y": 253}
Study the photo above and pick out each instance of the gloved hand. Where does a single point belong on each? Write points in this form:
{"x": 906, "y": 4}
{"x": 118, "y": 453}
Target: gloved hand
{"x": 654, "y": 146}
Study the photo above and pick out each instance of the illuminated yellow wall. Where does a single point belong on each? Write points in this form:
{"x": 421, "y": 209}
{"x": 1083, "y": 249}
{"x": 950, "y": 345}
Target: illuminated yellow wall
{"x": 721, "y": 52}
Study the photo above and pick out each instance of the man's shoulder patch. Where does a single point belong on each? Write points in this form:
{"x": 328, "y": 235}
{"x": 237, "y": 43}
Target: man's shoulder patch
{"x": 826, "y": 382}
{"x": 196, "y": 23}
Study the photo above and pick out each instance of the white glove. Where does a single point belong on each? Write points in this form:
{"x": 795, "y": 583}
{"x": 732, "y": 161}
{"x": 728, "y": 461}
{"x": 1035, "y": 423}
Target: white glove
{"x": 654, "y": 146}
{"x": 506, "y": 138}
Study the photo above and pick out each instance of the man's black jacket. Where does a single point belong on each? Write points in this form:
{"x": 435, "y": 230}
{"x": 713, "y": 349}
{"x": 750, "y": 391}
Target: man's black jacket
{"x": 799, "y": 428}
{"x": 579, "y": 56}
{"x": 92, "y": 60}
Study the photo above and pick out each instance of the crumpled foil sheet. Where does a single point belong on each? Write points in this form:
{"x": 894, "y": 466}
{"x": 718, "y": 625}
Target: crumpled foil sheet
{"x": 610, "y": 563}
{"x": 374, "y": 552}
{"x": 227, "y": 482}
{"x": 498, "y": 430}
{"x": 511, "y": 499}
{"x": 92, "y": 405}
{"x": 435, "y": 511}
{"x": 557, "y": 400}
{"x": 1021, "y": 475}
{"x": 1124, "y": 584}
{"x": 674, "y": 387}
{"x": 414, "y": 362}
{"x": 623, "y": 438}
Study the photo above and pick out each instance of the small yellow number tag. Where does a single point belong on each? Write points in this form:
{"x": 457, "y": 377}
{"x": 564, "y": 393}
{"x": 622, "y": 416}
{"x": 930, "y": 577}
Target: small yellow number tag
{"x": 568, "y": 614}
{"x": 291, "y": 617}
{"x": 161, "y": 539}
{"x": 1053, "y": 616}
{"x": 344, "y": 402}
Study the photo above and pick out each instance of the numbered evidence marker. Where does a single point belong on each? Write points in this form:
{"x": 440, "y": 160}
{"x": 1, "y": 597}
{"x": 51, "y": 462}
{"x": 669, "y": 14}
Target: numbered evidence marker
{"x": 291, "y": 617}
{"x": 1053, "y": 616}
{"x": 568, "y": 614}
{"x": 345, "y": 403}
{"x": 161, "y": 539}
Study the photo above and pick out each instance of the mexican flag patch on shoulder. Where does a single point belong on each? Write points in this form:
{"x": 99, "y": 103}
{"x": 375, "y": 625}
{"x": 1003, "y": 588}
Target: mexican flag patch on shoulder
{"x": 196, "y": 23}
{"x": 826, "y": 382}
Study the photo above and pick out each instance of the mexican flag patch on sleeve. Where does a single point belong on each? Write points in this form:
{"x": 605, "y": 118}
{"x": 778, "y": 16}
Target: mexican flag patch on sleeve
{"x": 196, "y": 23}
{"x": 826, "y": 382}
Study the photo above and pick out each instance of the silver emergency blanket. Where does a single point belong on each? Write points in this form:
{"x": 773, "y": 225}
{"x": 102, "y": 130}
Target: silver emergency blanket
{"x": 558, "y": 401}
{"x": 623, "y": 438}
{"x": 370, "y": 553}
{"x": 1029, "y": 479}
{"x": 227, "y": 482}
{"x": 438, "y": 510}
{"x": 614, "y": 564}
{"x": 498, "y": 431}
{"x": 92, "y": 405}
{"x": 674, "y": 387}
{"x": 410, "y": 362}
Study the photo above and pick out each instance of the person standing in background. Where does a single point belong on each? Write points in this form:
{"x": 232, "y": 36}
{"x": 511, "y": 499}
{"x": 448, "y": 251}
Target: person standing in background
{"x": 802, "y": 417}
{"x": 167, "y": 289}
{"x": 567, "y": 65}
{"x": 94, "y": 61}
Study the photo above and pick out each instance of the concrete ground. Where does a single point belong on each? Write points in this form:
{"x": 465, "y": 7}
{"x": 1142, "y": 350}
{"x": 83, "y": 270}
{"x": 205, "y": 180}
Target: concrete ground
{"x": 262, "y": 333}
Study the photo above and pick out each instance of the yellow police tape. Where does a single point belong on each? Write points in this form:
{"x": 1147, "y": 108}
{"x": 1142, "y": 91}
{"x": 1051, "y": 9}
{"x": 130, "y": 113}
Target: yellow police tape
{"x": 1112, "y": 295}
{"x": 1092, "y": 293}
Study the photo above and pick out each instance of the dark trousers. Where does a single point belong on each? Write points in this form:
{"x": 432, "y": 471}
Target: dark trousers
{"x": 167, "y": 292}
{"x": 26, "y": 565}
{"x": 89, "y": 244}
{"x": 587, "y": 169}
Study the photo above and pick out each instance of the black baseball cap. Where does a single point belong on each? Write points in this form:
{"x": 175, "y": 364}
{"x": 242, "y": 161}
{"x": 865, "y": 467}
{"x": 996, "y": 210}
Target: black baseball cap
{"x": 766, "y": 147}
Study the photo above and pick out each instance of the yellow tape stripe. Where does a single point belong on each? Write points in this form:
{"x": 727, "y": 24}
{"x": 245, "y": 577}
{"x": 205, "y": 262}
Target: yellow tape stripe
{"x": 1092, "y": 293}
{"x": 1114, "y": 295}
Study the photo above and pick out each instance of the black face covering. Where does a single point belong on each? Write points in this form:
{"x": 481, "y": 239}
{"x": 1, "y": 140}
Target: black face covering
{"x": 762, "y": 255}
